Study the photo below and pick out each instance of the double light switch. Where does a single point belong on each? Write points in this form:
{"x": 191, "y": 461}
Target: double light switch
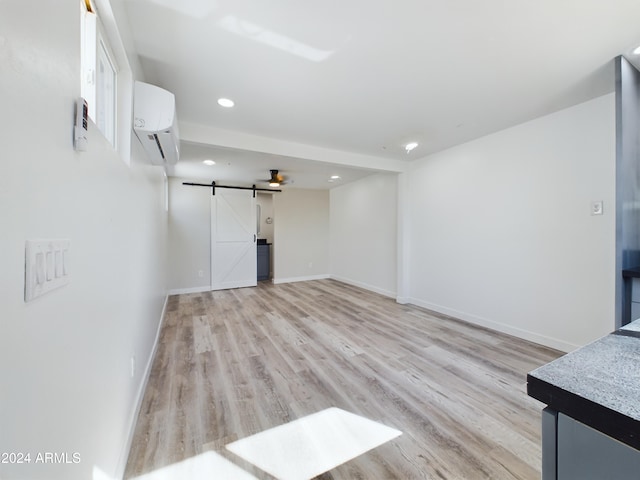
{"x": 46, "y": 266}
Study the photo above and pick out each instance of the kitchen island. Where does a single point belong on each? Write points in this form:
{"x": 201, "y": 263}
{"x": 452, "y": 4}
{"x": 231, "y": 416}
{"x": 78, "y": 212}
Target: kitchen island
{"x": 591, "y": 426}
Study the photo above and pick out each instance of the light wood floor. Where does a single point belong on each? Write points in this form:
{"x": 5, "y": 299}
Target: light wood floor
{"x": 233, "y": 363}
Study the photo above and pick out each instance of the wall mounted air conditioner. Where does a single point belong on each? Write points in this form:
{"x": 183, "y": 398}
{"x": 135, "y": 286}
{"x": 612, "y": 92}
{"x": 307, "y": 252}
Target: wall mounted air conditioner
{"x": 155, "y": 124}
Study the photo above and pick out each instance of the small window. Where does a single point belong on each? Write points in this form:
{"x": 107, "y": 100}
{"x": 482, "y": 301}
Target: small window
{"x": 99, "y": 74}
{"x": 106, "y": 92}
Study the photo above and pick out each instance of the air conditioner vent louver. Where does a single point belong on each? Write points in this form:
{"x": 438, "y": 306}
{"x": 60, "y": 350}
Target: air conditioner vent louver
{"x": 159, "y": 146}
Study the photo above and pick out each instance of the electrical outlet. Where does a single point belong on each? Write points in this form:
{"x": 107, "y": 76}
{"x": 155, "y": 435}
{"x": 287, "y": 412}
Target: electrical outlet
{"x": 200, "y": 273}
{"x": 596, "y": 207}
{"x": 133, "y": 366}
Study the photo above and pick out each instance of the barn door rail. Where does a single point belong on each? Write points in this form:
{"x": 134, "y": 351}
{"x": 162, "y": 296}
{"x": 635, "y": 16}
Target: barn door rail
{"x": 213, "y": 187}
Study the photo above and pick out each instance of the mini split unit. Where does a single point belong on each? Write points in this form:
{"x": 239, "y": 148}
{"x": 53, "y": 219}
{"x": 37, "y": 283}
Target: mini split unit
{"x": 155, "y": 123}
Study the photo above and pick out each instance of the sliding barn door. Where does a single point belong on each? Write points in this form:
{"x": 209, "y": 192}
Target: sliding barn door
{"x": 233, "y": 239}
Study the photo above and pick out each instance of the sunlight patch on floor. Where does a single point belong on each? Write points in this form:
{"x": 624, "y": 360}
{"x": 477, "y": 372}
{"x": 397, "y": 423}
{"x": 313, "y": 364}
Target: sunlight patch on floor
{"x": 312, "y": 445}
{"x": 207, "y": 465}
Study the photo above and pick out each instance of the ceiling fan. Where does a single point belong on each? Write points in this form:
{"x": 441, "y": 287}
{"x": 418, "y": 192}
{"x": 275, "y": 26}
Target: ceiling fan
{"x": 276, "y": 179}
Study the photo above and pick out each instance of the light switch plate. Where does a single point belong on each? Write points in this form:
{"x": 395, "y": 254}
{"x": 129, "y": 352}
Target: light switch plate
{"x": 46, "y": 266}
{"x": 596, "y": 207}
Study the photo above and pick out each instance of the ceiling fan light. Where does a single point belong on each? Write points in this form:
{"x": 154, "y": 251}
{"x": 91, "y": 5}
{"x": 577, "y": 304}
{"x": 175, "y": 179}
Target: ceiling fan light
{"x": 274, "y": 181}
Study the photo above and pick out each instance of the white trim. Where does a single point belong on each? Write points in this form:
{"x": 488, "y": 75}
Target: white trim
{"x": 402, "y": 300}
{"x": 133, "y": 420}
{"x": 180, "y": 291}
{"x": 88, "y": 51}
{"x": 403, "y": 236}
{"x": 497, "y": 326}
{"x": 366, "y": 286}
{"x": 234, "y": 284}
{"x": 300, "y": 279}
{"x": 106, "y": 108}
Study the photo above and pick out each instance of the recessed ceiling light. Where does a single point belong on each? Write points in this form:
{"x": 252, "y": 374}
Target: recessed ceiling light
{"x": 209, "y": 162}
{"x": 335, "y": 177}
{"x": 636, "y": 51}
{"x": 410, "y": 146}
{"x": 225, "y": 102}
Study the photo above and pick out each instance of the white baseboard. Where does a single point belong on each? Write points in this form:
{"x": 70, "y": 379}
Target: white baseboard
{"x": 300, "y": 279}
{"x": 133, "y": 419}
{"x": 497, "y": 326}
{"x": 180, "y": 291}
{"x": 366, "y": 286}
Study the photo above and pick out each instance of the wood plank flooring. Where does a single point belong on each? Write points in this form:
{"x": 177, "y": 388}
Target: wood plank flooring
{"x": 233, "y": 363}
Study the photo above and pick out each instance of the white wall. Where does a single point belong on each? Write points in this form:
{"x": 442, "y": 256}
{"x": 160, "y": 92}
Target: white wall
{"x": 65, "y": 357}
{"x": 301, "y": 235}
{"x": 363, "y": 233}
{"x": 501, "y": 232}
{"x": 189, "y": 237}
{"x": 265, "y": 200}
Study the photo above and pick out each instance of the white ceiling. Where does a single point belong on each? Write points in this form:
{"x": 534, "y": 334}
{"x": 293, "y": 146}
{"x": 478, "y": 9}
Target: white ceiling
{"x": 246, "y": 168}
{"x": 350, "y": 82}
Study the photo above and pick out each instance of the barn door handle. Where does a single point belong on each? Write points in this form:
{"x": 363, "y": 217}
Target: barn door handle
{"x": 254, "y": 238}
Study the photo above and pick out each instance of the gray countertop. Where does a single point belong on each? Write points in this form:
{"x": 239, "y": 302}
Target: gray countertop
{"x": 598, "y": 384}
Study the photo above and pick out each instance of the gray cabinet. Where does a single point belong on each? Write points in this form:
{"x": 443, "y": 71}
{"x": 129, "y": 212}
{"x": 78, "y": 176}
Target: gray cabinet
{"x": 264, "y": 261}
{"x": 572, "y": 450}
